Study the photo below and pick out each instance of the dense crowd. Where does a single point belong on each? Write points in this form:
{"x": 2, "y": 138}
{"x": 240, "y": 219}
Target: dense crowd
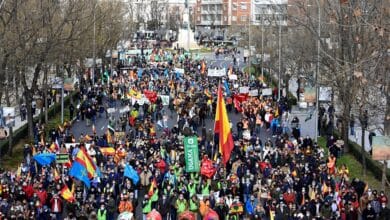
{"x": 273, "y": 173}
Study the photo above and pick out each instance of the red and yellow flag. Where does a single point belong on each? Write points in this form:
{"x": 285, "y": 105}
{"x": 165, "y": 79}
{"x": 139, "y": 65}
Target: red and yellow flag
{"x": 108, "y": 151}
{"x": 56, "y": 175}
{"x": 222, "y": 128}
{"x": 152, "y": 186}
{"x": 67, "y": 194}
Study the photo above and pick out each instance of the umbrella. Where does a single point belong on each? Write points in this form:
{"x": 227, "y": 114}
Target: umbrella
{"x": 45, "y": 158}
{"x": 187, "y": 215}
{"x": 153, "y": 215}
{"x": 211, "y": 215}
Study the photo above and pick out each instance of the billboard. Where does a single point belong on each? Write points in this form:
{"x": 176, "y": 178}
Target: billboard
{"x": 381, "y": 148}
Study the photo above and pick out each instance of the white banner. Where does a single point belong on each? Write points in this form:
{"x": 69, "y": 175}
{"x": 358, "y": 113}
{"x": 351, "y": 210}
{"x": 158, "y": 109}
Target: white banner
{"x": 244, "y": 89}
{"x": 266, "y": 92}
{"x": 233, "y": 77}
{"x": 110, "y": 110}
{"x": 254, "y": 92}
{"x": 124, "y": 109}
{"x": 216, "y": 72}
{"x": 179, "y": 70}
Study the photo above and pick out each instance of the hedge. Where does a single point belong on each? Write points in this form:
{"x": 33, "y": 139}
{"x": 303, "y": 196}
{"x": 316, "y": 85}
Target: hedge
{"x": 22, "y": 132}
{"x": 356, "y": 151}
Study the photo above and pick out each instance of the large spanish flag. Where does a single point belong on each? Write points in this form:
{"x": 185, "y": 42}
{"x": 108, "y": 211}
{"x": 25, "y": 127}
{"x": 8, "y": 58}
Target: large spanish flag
{"x": 222, "y": 128}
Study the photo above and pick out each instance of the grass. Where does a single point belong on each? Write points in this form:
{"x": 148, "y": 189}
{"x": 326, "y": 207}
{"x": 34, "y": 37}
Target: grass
{"x": 12, "y": 163}
{"x": 355, "y": 168}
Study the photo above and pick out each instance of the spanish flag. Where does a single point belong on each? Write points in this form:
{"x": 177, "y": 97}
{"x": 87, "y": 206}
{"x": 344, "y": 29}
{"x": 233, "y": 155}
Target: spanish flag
{"x": 152, "y": 186}
{"x": 222, "y": 128}
{"x": 109, "y": 136}
{"x": 56, "y": 175}
{"x": 230, "y": 71}
{"x": 67, "y": 194}
{"x": 107, "y": 151}
{"x": 203, "y": 68}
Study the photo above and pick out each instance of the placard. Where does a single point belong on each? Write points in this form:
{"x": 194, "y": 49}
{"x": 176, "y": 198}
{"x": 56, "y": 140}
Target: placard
{"x": 165, "y": 99}
{"x": 110, "y": 110}
{"x": 62, "y": 158}
{"x": 216, "y": 72}
{"x": 266, "y": 92}
{"x": 254, "y": 92}
{"x": 244, "y": 89}
{"x": 124, "y": 109}
{"x": 325, "y": 94}
{"x": 232, "y": 77}
{"x": 9, "y": 116}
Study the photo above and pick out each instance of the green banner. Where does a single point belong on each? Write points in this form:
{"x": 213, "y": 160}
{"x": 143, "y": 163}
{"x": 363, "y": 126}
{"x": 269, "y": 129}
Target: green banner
{"x": 191, "y": 153}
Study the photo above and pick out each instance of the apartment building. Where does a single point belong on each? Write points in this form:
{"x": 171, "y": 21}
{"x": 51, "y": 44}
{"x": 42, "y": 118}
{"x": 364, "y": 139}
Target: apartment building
{"x": 220, "y": 13}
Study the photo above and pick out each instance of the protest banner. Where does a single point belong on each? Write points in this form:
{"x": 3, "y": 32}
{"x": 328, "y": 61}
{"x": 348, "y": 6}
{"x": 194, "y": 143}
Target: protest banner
{"x": 191, "y": 153}
{"x": 216, "y": 72}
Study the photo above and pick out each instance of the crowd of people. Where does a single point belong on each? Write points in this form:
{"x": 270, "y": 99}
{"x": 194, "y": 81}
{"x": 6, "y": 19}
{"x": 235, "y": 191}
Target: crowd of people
{"x": 272, "y": 174}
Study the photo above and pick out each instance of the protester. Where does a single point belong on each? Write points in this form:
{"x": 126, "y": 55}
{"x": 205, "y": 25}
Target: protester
{"x": 138, "y": 166}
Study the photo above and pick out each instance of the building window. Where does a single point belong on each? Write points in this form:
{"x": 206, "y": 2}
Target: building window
{"x": 234, "y": 18}
{"x": 225, "y": 18}
{"x": 234, "y": 6}
{"x": 243, "y": 18}
{"x": 243, "y": 6}
{"x": 225, "y": 7}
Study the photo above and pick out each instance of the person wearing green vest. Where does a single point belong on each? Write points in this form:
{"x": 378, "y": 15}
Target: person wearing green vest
{"x": 191, "y": 188}
{"x": 206, "y": 188}
{"x": 181, "y": 204}
{"x": 102, "y": 213}
{"x": 194, "y": 204}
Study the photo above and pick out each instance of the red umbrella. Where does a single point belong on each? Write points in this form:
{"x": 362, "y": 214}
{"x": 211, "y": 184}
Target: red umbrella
{"x": 187, "y": 215}
{"x": 211, "y": 215}
{"x": 153, "y": 215}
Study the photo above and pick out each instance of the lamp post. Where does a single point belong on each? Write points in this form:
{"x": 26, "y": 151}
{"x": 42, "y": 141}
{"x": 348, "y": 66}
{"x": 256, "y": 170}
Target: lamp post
{"x": 280, "y": 55}
{"x": 318, "y": 67}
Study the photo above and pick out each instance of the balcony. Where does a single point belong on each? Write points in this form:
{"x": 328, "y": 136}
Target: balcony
{"x": 208, "y": 22}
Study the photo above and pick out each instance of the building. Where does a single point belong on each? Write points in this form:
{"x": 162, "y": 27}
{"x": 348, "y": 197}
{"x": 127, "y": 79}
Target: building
{"x": 222, "y": 13}
{"x": 269, "y": 12}
{"x": 157, "y": 13}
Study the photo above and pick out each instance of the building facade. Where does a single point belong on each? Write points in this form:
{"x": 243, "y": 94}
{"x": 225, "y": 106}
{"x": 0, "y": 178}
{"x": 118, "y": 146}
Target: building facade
{"x": 220, "y": 13}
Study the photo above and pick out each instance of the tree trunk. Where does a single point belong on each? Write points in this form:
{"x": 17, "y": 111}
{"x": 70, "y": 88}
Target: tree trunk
{"x": 30, "y": 118}
{"x": 386, "y": 123}
{"x": 10, "y": 144}
{"x": 345, "y": 126}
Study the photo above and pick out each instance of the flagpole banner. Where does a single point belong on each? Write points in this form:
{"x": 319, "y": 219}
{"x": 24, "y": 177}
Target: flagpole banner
{"x": 191, "y": 152}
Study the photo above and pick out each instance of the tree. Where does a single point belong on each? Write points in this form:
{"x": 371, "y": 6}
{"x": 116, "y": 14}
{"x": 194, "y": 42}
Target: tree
{"x": 349, "y": 42}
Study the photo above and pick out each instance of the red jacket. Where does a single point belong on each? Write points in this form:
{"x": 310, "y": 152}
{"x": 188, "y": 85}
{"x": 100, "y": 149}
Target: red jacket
{"x": 28, "y": 190}
{"x": 42, "y": 195}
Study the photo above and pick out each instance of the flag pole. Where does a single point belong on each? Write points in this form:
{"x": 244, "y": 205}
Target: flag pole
{"x": 214, "y": 155}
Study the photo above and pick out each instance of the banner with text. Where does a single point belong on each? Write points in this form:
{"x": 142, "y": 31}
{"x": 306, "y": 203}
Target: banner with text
{"x": 191, "y": 152}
